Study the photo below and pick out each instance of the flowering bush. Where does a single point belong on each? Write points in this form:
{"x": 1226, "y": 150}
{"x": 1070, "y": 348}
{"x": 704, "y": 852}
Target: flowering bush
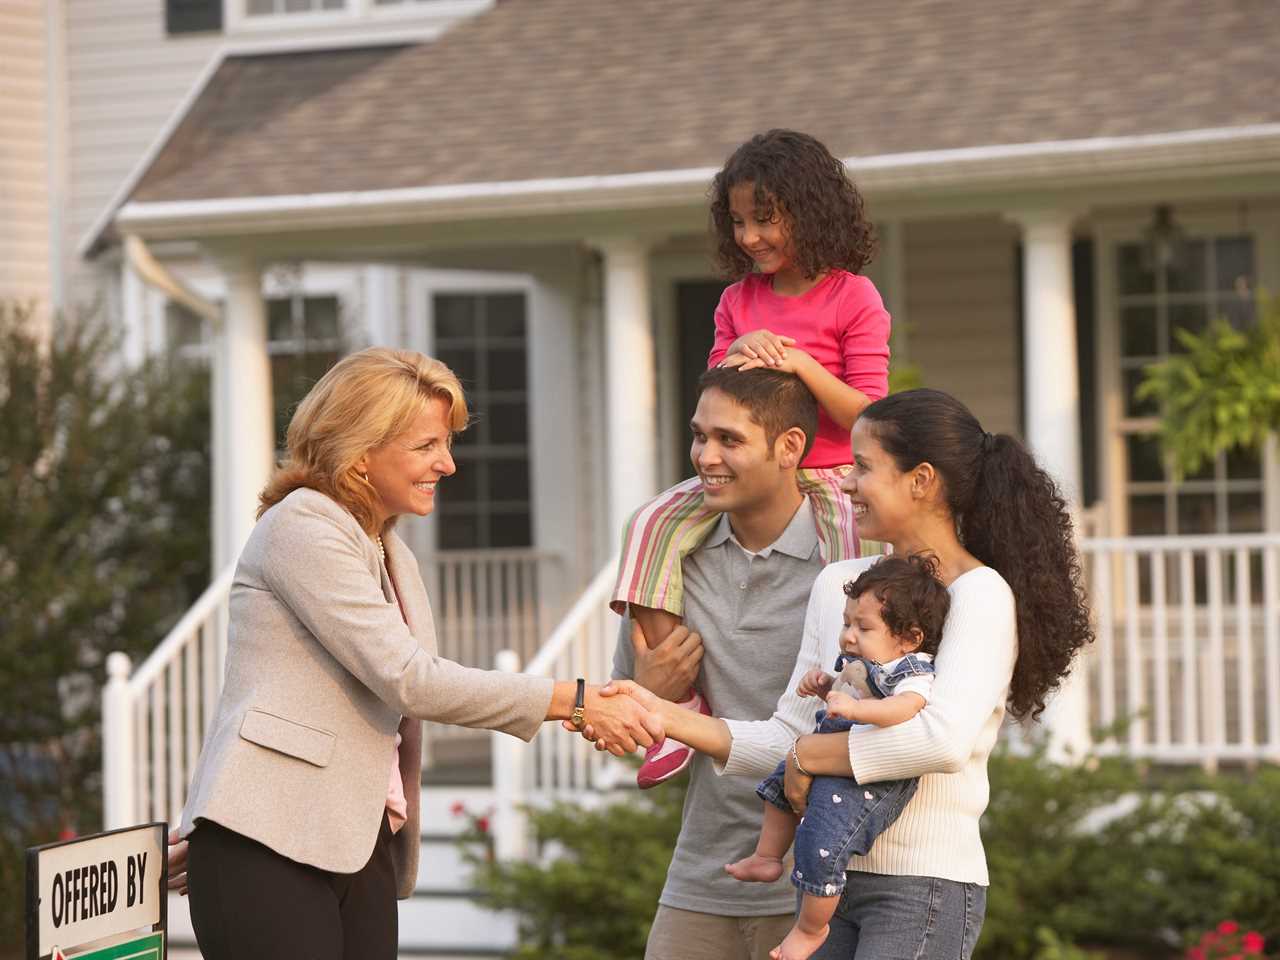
{"x": 1227, "y": 942}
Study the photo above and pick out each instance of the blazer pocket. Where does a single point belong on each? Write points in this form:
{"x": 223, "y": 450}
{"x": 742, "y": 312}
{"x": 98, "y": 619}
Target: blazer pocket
{"x": 294, "y": 739}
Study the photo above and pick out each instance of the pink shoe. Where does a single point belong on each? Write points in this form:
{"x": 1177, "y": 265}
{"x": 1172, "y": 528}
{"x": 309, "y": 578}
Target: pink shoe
{"x": 668, "y": 757}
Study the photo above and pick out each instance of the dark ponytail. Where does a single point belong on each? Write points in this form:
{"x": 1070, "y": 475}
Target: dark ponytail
{"x": 1010, "y": 515}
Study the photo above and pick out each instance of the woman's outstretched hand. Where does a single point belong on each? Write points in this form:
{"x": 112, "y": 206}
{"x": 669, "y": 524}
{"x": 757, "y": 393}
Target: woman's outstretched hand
{"x": 177, "y": 863}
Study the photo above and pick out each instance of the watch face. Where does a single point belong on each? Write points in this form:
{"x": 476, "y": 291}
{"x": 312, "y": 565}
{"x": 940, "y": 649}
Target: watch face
{"x": 578, "y": 720}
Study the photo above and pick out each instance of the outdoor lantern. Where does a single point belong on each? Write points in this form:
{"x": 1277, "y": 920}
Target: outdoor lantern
{"x": 1164, "y": 242}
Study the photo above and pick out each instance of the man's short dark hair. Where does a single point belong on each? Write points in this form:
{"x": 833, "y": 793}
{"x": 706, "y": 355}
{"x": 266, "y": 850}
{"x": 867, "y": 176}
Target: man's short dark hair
{"x": 910, "y": 595}
{"x": 775, "y": 400}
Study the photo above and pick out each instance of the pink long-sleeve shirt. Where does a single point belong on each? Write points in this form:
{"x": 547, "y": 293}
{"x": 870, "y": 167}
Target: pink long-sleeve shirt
{"x": 841, "y": 323}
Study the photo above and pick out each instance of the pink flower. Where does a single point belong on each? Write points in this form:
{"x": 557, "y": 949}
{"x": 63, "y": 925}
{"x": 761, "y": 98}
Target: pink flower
{"x": 1228, "y": 927}
{"x": 457, "y": 809}
{"x": 482, "y": 824}
{"x": 1195, "y": 953}
{"x": 1253, "y": 942}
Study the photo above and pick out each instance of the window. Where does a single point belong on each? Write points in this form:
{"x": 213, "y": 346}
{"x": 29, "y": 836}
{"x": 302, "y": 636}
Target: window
{"x": 192, "y": 16}
{"x": 1212, "y": 276}
{"x": 260, "y": 8}
{"x": 483, "y": 339}
{"x": 304, "y": 339}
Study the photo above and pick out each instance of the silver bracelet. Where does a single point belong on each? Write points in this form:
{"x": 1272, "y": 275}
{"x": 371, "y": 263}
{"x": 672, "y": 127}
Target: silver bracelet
{"x": 796, "y": 757}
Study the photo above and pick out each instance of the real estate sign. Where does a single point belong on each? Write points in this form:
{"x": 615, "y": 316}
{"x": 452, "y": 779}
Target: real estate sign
{"x": 95, "y": 889}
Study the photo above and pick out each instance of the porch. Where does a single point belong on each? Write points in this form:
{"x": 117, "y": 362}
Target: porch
{"x": 1186, "y": 669}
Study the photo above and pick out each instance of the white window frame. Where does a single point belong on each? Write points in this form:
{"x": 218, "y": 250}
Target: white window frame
{"x": 344, "y": 282}
{"x": 354, "y": 14}
{"x": 421, "y": 289}
{"x": 1262, "y": 224}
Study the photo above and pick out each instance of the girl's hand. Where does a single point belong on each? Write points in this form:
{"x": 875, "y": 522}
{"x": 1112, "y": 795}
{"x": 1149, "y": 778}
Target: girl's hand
{"x": 762, "y": 345}
{"x": 792, "y": 359}
{"x": 796, "y": 785}
{"x": 177, "y": 863}
{"x": 842, "y": 705}
{"x": 815, "y": 683}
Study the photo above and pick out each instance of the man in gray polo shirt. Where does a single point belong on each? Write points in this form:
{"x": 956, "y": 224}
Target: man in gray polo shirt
{"x": 746, "y": 590}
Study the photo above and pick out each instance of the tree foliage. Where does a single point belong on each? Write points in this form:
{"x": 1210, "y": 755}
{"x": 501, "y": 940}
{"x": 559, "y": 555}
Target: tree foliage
{"x": 104, "y": 542}
{"x": 1223, "y": 392}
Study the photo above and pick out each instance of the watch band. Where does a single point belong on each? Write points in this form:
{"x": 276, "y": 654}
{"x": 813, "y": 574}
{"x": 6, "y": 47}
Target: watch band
{"x": 579, "y": 703}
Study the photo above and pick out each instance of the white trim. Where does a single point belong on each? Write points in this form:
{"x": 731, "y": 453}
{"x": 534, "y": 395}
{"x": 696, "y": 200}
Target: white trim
{"x": 373, "y": 34}
{"x": 103, "y": 220}
{"x": 1100, "y": 158}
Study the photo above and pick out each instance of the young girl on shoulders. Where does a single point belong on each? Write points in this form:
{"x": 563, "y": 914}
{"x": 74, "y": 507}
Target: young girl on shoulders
{"x": 790, "y": 229}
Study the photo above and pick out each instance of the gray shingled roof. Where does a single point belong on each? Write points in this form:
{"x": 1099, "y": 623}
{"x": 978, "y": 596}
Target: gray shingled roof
{"x": 561, "y": 88}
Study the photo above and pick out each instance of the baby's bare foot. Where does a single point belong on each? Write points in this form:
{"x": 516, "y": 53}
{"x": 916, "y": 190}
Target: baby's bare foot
{"x": 756, "y": 869}
{"x": 799, "y": 945}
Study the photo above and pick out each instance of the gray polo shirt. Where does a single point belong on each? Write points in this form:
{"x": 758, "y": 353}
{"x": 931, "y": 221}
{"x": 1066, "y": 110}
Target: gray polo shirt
{"x": 749, "y": 610}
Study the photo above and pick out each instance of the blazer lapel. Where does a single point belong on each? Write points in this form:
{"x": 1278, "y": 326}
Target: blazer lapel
{"x": 412, "y": 592}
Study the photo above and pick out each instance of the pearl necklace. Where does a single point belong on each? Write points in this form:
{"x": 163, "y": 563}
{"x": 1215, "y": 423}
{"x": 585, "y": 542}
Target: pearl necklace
{"x": 382, "y": 550}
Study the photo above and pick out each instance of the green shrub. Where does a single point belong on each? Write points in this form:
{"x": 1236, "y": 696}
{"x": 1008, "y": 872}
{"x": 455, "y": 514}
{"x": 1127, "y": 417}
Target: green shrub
{"x": 104, "y": 543}
{"x": 593, "y": 892}
{"x": 1104, "y": 856}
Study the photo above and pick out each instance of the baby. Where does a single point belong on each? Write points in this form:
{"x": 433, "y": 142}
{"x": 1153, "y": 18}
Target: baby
{"x": 892, "y": 627}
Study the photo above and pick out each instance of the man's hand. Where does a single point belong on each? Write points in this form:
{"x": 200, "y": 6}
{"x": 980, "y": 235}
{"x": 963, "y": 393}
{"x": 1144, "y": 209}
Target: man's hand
{"x": 815, "y": 683}
{"x": 177, "y": 863}
{"x": 842, "y": 705}
{"x": 670, "y": 668}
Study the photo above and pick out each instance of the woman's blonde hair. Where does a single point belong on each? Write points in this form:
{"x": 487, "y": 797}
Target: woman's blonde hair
{"x": 365, "y": 400}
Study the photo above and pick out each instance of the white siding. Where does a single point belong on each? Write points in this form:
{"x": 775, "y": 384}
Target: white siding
{"x": 24, "y": 191}
{"x": 125, "y": 78}
{"x": 962, "y": 315}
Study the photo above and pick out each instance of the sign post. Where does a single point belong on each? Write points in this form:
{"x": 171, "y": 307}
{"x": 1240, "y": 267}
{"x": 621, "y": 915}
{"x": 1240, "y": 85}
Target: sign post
{"x": 104, "y": 894}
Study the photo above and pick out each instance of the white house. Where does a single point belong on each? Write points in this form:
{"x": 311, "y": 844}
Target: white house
{"x": 519, "y": 188}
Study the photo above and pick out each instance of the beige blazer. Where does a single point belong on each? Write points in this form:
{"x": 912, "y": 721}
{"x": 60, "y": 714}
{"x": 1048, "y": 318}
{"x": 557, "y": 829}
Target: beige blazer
{"x": 321, "y": 672}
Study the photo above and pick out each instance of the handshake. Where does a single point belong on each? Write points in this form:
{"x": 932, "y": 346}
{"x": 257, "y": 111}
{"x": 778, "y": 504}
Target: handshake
{"x": 620, "y": 717}
{"x": 626, "y": 714}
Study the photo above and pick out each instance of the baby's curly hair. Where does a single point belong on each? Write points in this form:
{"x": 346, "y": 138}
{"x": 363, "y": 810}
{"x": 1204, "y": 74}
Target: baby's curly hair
{"x": 910, "y": 595}
{"x": 798, "y": 179}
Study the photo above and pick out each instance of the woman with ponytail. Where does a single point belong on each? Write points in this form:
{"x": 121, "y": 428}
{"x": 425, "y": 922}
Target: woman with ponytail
{"x": 926, "y": 479}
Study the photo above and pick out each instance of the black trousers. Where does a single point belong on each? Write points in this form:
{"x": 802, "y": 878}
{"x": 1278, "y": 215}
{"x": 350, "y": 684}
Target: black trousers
{"x": 249, "y": 902}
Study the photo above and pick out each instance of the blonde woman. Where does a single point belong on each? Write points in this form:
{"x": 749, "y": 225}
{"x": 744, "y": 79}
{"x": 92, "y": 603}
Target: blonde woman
{"x": 302, "y": 823}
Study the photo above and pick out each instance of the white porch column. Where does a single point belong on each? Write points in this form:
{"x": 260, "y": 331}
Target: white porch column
{"x": 631, "y": 404}
{"x": 244, "y": 435}
{"x": 1052, "y": 404}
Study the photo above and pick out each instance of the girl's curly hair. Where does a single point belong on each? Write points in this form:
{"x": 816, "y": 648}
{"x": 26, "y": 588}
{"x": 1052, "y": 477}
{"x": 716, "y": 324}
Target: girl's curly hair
{"x": 796, "y": 178}
{"x": 1012, "y": 517}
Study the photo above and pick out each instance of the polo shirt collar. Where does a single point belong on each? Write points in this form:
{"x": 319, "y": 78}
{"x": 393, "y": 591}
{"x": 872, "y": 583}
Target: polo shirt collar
{"x": 799, "y": 539}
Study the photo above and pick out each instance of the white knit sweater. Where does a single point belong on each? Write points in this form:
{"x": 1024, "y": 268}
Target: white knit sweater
{"x": 946, "y": 745}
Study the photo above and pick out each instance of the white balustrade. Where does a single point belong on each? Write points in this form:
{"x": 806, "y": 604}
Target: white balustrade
{"x": 154, "y": 720}
{"x": 1187, "y": 659}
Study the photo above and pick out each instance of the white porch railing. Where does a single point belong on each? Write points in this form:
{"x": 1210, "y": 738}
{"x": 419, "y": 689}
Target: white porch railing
{"x": 556, "y": 765}
{"x": 1188, "y": 651}
{"x": 154, "y": 720}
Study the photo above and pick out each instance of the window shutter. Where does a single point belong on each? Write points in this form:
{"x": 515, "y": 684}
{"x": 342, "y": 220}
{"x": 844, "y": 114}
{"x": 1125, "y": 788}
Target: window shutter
{"x": 192, "y": 16}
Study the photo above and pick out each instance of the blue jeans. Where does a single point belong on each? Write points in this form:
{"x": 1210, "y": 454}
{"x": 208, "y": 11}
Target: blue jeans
{"x": 842, "y": 820}
{"x": 905, "y": 918}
